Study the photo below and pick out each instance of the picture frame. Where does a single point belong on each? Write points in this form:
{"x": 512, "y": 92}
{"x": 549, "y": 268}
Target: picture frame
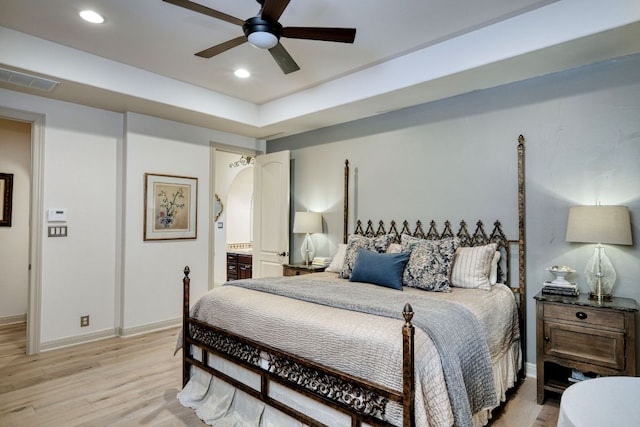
{"x": 6, "y": 191}
{"x": 170, "y": 207}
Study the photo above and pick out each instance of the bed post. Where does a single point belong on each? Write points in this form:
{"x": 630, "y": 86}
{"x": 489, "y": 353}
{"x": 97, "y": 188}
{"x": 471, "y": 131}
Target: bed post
{"x": 521, "y": 249}
{"x": 186, "y": 282}
{"x": 408, "y": 381}
{"x": 345, "y": 219}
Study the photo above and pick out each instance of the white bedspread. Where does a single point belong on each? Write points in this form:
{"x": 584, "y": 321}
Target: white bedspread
{"x": 360, "y": 344}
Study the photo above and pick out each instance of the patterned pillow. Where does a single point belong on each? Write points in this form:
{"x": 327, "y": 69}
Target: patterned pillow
{"x": 430, "y": 262}
{"x": 472, "y": 266}
{"x": 376, "y": 244}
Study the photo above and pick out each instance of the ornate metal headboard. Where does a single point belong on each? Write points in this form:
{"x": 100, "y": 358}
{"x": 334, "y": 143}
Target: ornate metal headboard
{"x": 477, "y": 238}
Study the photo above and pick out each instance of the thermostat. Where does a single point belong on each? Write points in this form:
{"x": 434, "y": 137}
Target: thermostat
{"x": 57, "y": 215}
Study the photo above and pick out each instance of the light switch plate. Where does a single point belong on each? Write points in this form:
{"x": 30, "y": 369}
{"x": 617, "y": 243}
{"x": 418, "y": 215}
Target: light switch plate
{"x": 57, "y": 231}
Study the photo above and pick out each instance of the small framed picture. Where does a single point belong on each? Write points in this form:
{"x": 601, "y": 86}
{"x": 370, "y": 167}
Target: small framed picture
{"x": 6, "y": 192}
{"x": 170, "y": 207}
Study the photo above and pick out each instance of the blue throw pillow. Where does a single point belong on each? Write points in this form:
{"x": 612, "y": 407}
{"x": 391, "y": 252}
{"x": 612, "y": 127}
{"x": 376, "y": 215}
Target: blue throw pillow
{"x": 379, "y": 269}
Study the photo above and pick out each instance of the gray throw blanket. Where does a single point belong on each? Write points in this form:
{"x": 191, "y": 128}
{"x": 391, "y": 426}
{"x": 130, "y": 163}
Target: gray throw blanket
{"x": 454, "y": 330}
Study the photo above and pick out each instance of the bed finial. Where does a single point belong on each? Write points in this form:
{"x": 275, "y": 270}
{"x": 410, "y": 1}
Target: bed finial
{"x": 187, "y": 271}
{"x": 407, "y": 313}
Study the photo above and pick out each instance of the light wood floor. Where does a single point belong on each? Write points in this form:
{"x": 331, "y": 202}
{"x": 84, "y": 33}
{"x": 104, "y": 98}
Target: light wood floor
{"x": 133, "y": 382}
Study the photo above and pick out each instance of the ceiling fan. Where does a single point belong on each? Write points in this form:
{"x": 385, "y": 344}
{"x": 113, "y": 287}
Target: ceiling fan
{"x": 264, "y": 31}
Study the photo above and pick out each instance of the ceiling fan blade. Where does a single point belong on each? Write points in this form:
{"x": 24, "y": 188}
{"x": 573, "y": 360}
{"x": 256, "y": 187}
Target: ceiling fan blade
{"x": 222, "y": 47}
{"x": 272, "y": 9}
{"x": 284, "y": 60}
{"x": 196, "y": 7}
{"x": 343, "y": 35}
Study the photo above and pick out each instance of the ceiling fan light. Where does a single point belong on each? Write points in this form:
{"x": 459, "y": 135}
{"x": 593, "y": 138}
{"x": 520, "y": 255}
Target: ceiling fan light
{"x": 262, "y": 40}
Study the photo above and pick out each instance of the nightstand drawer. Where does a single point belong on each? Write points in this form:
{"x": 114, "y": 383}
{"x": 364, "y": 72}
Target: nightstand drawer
{"x": 291, "y": 271}
{"x": 585, "y": 344}
{"x": 584, "y": 315}
{"x": 300, "y": 269}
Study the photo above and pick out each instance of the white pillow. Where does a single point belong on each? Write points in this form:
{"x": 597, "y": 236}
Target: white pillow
{"x": 472, "y": 266}
{"x": 394, "y": 248}
{"x": 493, "y": 275}
{"x": 338, "y": 259}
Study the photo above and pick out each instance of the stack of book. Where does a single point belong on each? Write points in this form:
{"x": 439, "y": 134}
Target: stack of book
{"x": 321, "y": 261}
{"x": 577, "y": 376}
{"x": 570, "y": 289}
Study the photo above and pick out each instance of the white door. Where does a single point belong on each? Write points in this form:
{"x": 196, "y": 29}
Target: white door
{"x": 270, "y": 214}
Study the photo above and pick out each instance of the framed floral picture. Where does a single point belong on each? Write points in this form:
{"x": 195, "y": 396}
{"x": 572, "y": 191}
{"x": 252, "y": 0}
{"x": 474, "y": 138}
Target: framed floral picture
{"x": 6, "y": 194}
{"x": 170, "y": 207}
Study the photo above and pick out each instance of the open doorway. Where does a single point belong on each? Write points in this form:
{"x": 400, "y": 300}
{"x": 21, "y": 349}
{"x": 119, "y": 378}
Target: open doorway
{"x": 34, "y": 125}
{"x": 15, "y": 184}
{"x": 232, "y": 230}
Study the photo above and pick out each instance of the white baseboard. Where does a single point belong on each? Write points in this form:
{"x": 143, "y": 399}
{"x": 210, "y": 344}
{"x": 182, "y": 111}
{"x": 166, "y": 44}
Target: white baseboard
{"x": 530, "y": 370}
{"x": 110, "y": 333}
{"x": 17, "y": 318}
{"x": 79, "y": 339}
{"x": 151, "y": 327}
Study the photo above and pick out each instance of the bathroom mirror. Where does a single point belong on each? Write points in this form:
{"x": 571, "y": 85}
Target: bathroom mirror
{"x": 218, "y": 207}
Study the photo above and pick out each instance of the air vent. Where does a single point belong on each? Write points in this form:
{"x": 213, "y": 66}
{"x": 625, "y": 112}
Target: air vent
{"x": 27, "y": 80}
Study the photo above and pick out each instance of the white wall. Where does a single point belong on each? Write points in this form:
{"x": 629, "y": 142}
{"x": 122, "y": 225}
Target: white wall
{"x": 15, "y": 158}
{"x": 94, "y": 163}
{"x": 80, "y": 161}
{"x": 457, "y": 158}
{"x": 152, "y": 269}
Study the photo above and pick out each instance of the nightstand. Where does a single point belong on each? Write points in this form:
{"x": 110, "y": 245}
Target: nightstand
{"x": 299, "y": 269}
{"x": 578, "y": 333}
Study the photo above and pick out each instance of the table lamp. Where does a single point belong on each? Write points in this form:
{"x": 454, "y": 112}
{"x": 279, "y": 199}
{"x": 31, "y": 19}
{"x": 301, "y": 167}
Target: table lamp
{"x": 307, "y": 223}
{"x": 599, "y": 224}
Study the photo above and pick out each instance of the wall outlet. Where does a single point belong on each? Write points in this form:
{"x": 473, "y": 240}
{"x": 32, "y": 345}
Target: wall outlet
{"x": 84, "y": 320}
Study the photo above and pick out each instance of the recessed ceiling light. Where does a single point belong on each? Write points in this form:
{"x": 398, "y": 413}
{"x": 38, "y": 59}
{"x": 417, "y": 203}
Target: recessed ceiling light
{"x": 242, "y": 73}
{"x": 91, "y": 16}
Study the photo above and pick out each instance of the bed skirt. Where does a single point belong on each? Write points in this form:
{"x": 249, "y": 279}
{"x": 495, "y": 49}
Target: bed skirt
{"x": 218, "y": 403}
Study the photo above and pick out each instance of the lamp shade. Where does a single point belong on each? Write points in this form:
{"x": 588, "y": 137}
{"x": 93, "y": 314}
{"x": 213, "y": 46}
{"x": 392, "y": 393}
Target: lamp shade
{"x": 307, "y": 222}
{"x": 599, "y": 224}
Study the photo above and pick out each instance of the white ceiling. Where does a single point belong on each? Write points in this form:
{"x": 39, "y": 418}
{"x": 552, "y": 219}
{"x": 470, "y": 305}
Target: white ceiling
{"x": 405, "y": 53}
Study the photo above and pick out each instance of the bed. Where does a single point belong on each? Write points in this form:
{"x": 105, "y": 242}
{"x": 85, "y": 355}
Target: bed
{"x": 406, "y": 328}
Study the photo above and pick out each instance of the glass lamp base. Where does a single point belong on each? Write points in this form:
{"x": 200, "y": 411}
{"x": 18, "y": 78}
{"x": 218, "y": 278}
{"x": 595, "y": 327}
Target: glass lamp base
{"x": 600, "y": 274}
{"x": 307, "y": 250}
{"x": 595, "y": 297}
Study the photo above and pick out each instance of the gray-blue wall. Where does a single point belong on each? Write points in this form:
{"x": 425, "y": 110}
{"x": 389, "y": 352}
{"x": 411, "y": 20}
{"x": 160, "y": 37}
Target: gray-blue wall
{"x": 456, "y": 159}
